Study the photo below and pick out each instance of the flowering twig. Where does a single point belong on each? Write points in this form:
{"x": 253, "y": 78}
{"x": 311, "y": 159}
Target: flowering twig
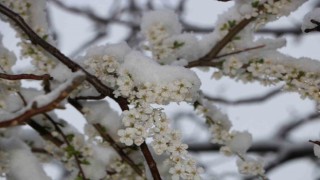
{"x": 58, "y": 129}
{"x": 37, "y": 40}
{"x": 109, "y": 139}
{"x": 34, "y": 110}
{"x": 222, "y": 43}
{"x": 240, "y": 51}
{"x": 118, "y": 149}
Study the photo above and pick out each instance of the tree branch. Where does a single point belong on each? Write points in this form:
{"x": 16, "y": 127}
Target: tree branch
{"x": 58, "y": 129}
{"x": 109, "y": 139}
{"x": 247, "y": 100}
{"x": 33, "y": 110}
{"x": 118, "y": 149}
{"x": 37, "y": 40}
{"x": 284, "y": 131}
{"x": 25, "y": 76}
{"x": 150, "y": 161}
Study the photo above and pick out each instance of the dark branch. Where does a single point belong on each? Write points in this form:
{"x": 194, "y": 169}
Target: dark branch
{"x": 25, "y": 76}
{"x": 284, "y": 131}
{"x": 317, "y": 28}
{"x": 150, "y": 161}
{"x": 257, "y": 99}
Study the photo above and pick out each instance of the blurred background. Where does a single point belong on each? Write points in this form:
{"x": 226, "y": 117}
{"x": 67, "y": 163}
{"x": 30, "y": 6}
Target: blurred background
{"x": 281, "y": 123}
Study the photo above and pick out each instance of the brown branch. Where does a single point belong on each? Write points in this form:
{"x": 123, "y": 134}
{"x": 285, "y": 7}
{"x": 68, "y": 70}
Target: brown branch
{"x": 150, "y": 161}
{"x": 144, "y": 148}
{"x": 247, "y": 100}
{"x": 110, "y": 140}
{"x": 25, "y": 76}
{"x": 118, "y": 149}
{"x": 221, "y": 44}
{"x": 90, "y": 97}
{"x": 34, "y": 110}
{"x": 315, "y": 142}
{"x": 44, "y": 133}
{"x": 45, "y": 78}
{"x": 39, "y": 150}
{"x": 240, "y": 51}
{"x": 37, "y": 40}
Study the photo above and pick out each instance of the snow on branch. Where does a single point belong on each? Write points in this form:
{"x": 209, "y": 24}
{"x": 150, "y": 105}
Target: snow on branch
{"x": 43, "y": 103}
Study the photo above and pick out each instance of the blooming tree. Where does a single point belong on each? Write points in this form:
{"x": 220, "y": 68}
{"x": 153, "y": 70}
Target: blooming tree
{"x": 153, "y": 68}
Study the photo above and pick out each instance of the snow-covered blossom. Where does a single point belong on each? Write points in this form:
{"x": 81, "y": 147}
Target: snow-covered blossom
{"x": 143, "y": 122}
{"x": 22, "y": 164}
{"x": 234, "y": 142}
{"x": 156, "y": 83}
{"x": 316, "y": 150}
{"x": 240, "y": 142}
{"x": 101, "y": 112}
{"x": 104, "y": 61}
{"x": 160, "y": 24}
{"x": 250, "y": 166}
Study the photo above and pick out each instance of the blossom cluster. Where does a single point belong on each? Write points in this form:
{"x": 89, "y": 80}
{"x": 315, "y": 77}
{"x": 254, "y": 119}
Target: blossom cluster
{"x": 274, "y": 68}
{"x": 34, "y": 13}
{"x": 232, "y": 142}
{"x": 144, "y": 122}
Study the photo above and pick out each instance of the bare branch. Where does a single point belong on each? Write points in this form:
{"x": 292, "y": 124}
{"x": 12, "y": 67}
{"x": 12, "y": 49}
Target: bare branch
{"x": 25, "y": 76}
{"x": 284, "y": 131}
{"x": 247, "y": 100}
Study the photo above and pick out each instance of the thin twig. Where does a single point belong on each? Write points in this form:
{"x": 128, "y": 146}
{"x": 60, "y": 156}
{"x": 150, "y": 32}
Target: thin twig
{"x": 58, "y": 129}
{"x": 240, "y": 51}
{"x": 222, "y": 43}
{"x": 118, "y": 149}
{"x": 110, "y": 140}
